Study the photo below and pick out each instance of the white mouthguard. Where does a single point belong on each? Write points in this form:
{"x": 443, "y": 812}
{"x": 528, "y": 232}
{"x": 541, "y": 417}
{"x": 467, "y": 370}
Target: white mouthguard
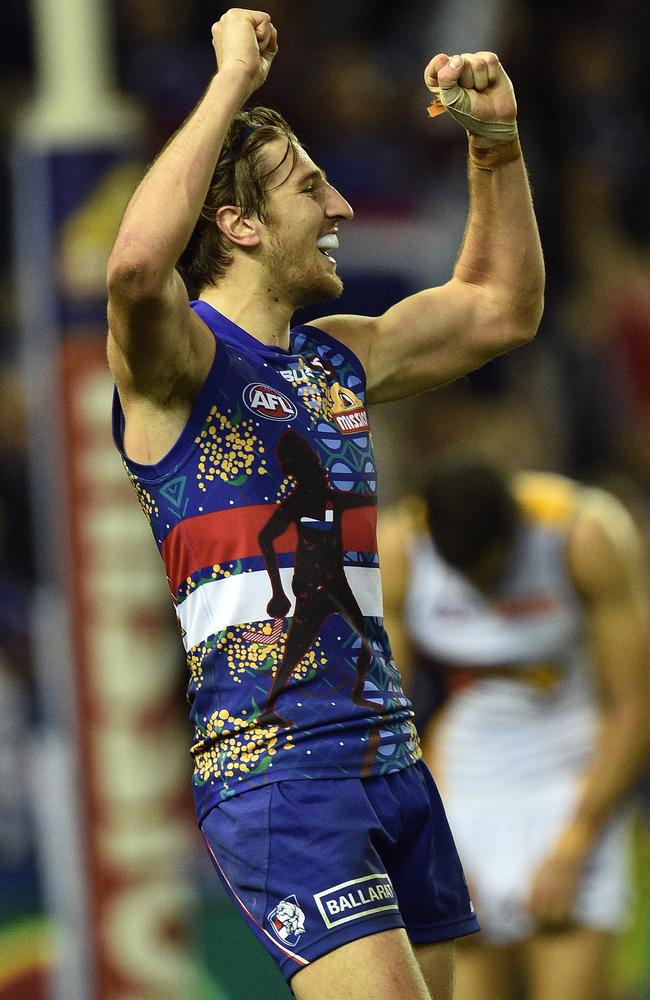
{"x": 328, "y": 242}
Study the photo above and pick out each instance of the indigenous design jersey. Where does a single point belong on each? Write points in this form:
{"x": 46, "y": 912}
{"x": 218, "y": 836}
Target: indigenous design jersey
{"x": 522, "y": 703}
{"x": 264, "y": 512}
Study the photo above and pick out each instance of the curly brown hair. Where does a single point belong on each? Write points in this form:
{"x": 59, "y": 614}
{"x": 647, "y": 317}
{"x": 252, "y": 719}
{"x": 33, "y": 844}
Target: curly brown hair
{"x": 239, "y": 179}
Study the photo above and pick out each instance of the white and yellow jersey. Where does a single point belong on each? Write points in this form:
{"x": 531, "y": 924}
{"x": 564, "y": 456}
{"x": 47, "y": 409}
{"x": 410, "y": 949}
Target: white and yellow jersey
{"x": 524, "y": 707}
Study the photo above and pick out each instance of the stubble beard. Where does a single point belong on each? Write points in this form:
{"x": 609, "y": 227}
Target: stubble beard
{"x": 301, "y": 286}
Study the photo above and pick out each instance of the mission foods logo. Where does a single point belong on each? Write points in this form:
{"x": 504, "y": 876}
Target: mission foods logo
{"x": 352, "y": 422}
{"x": 359, "y": 898}
{"x": 269, "y": 403}
{"x": 348, "y": 410}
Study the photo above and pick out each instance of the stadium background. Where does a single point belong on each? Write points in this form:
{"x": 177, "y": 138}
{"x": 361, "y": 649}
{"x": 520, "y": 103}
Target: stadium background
{"x": 105, "y": 892}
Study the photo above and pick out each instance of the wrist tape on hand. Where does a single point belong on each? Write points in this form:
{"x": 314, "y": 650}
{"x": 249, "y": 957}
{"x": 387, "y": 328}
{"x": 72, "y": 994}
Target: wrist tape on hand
{"x": 456, "y": 101}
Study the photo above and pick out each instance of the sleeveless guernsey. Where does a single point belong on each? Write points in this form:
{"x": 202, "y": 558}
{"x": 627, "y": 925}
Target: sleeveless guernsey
{"x": 264, "y": 512}
{"x": 522, "y": 705}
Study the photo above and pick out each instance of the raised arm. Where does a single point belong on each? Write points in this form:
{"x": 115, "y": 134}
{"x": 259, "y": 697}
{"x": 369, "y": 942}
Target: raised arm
{"x": 494, "y": 300}
{"x": 158, "y": 350}
{"x": 607, "y": 563}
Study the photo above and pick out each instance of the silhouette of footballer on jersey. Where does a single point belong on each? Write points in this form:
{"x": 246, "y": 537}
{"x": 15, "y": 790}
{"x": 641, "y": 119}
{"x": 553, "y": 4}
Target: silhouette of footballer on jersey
{"x": 319, "y": 581}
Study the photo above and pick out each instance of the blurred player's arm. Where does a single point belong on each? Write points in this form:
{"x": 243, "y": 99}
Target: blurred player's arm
{"x": 151, "y": 352}
{"x": 395, "y": 530}
{"x": 607, "y": 562}
{"x": 494, "y": 300}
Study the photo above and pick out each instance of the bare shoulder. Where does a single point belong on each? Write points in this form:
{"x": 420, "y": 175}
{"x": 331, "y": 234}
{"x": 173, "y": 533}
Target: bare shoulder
{"x": 605, "y": 546}
{"x": 356, "y": 332}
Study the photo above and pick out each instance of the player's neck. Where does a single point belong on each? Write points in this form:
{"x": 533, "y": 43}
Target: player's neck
{"x": 253, "y": 307}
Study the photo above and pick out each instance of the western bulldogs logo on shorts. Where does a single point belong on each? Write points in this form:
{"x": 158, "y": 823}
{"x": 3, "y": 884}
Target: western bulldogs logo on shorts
{"x": 287, "y": 921}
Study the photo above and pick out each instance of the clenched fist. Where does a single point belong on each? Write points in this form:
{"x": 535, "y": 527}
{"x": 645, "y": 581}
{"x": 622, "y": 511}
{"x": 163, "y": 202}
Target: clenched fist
{"x": 245, "y": 41}
{"x": 475, "y": 89}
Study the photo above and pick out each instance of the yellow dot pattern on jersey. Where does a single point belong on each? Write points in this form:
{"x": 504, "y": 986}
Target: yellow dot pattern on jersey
{"x": 146, "y": 501}
{"x": 318, "y": 400}
{"x": 285, "y": 489}
{"x": 219, "y": 571}
{"x": 246, "y": 657}
{"x": 195, "y": 658}
{"x": 239, "y": 747}
{"x": 227, "y": 451}
{"x": 243, "y": 656}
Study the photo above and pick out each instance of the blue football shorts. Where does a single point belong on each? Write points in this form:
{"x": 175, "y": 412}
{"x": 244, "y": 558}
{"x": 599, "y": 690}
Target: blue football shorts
{"x": 315, "y": 863}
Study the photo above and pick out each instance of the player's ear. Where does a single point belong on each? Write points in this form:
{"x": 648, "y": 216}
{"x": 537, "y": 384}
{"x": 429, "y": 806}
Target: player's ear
{"x": 239, "y": 229}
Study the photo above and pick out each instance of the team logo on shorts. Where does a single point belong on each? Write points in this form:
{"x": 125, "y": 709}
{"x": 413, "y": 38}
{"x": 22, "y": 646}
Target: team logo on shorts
{"x": 287, "y": 921}
{"x": 355, "y": 899}
{"x": 269, "y": 403}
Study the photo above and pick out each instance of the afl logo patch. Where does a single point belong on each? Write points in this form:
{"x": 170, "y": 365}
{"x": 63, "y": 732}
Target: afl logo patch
{"x": 268, "y": 402}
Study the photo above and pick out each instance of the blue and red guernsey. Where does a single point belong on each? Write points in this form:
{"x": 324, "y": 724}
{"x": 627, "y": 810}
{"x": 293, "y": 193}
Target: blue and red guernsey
{"x": 264, "y": 512}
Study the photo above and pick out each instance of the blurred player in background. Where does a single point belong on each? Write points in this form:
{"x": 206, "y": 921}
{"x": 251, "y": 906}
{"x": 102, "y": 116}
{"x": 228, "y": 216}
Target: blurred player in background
{"x": 529, "y": 595}
{"x": 248, "y": 445}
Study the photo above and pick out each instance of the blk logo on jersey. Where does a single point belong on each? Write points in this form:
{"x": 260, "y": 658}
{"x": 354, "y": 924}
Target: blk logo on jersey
{"x": 269, "y": 403}
{"x": 287, "y": 921}
{"x": 299, "y": 374}
{"x": 358, "y": 898}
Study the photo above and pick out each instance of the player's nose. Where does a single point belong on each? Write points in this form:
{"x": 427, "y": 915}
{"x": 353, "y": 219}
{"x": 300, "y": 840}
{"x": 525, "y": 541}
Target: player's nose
{"x": 336, "y": 206}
